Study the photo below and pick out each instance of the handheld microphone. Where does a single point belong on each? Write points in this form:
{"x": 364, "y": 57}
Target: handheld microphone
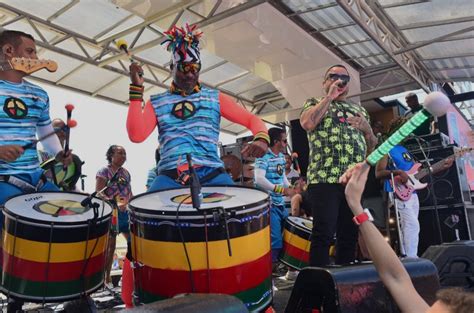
{"x": 196, "y": 195}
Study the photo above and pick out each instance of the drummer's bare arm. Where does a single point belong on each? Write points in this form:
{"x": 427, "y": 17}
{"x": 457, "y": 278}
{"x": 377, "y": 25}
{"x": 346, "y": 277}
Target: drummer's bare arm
{"x": 296, "y": 201}
{"x": 238, "y": 114}
{"x": 140, "y": 122}
{"x": 10, "y": 153}
{"x": 100, "y": 183}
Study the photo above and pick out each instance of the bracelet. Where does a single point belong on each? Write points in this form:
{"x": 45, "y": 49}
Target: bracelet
{"x": 136, "y": 92}
{"x": 262, "y": 135}
{"x": 279, "y": 189}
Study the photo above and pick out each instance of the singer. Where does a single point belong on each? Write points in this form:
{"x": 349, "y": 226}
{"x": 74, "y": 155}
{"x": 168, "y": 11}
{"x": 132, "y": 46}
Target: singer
{"x": 25, "y": 114}
{"x": 339, "y": 136}
{"x": 119, "y": 191}
{"x": 188, "y": 118}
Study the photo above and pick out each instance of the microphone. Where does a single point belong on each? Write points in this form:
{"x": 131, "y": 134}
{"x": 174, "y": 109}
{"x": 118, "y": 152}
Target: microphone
{"x": 88, "y": 200}
{"x": 196, "y": 195}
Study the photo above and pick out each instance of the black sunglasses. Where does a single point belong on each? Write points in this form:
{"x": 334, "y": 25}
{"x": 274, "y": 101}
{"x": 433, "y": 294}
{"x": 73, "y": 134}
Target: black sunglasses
{"x": 333, "y": 76}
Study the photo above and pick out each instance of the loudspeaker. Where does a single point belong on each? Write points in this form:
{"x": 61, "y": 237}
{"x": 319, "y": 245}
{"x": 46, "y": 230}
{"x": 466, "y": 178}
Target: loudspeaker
{"x": 455, "y": 263}
{"x": 450, "y": 186}
{"x": 454, "y": 222}
{"x": 356, "y": 287}
{"x": 193, "y": 303}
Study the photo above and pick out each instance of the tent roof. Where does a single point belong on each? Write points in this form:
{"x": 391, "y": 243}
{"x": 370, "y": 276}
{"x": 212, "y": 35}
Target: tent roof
{"x": 269, "y": 55}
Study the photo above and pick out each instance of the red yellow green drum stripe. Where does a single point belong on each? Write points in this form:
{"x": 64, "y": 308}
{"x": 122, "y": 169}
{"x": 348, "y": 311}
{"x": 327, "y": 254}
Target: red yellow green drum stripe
{"x": 51, "y": 291}
{"x": 59, "y": 252}
{"x": 256, "y": 299}
{"x": 56, "y": 271}
{"x": 295, "y": 251}
{"x": 244, "y": 249}
{"x": 248, "y": 275}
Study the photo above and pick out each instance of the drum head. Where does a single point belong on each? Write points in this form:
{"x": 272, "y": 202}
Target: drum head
{"x": 69, "y": 175}
{"x": 57, "y": 207}
{"x": 300, "y": 222}
{"x": 227, "y": 197}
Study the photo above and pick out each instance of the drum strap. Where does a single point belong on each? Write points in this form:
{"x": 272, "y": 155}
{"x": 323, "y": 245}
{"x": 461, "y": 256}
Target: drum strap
{"x": 174, "y": 175}
{"x": 23, "y": 185}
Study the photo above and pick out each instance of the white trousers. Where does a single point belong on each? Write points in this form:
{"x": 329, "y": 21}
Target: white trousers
{"x": 410, "y": 227}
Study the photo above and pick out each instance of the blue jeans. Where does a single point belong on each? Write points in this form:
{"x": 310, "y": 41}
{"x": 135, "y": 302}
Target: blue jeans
{"x": 7, "y": 190}
{"x": 278, "y": 215}
{"x": 163, "y": 182}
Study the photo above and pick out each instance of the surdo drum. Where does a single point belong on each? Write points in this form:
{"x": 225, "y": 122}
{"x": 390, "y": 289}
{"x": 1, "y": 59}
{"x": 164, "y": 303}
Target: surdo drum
{"x": 160, "y": 235}
{"x": 53, "y": 248}
{"x": 296, "y": 242}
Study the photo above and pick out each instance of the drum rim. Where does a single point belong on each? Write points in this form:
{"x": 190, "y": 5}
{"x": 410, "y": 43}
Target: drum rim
{"x": 139, "y": 210}
{"x": 11, "y": 214}
{"x": 299, "y": 226}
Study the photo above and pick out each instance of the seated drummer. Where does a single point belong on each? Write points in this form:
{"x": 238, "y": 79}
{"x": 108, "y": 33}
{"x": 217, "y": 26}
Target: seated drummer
{"x": 188, "y": 118}
{"x": 25, "y": 115}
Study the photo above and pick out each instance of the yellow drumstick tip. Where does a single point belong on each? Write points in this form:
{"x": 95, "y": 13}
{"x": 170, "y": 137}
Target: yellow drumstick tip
{"x": 122, "y": 44}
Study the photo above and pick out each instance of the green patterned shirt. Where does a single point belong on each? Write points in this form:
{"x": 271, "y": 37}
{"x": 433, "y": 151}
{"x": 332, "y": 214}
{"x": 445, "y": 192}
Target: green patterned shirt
{"x": 334, "y": 145}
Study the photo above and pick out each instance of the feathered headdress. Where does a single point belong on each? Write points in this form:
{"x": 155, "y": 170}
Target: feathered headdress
{"x": 183, "y": 42}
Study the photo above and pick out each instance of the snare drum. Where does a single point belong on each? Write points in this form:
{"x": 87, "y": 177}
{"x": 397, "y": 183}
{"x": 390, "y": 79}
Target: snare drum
{"x": 296, "y": 242}
{"x": 53, "y": 250}
{"x": 162, "y": 269}
{"x": 66, "y": 178}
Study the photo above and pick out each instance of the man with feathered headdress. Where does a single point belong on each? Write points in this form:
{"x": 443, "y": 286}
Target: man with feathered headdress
{"x": 188, "y": 117}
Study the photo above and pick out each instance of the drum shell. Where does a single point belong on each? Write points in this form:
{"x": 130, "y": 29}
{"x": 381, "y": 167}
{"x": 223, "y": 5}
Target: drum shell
{"x": 52, "y": 261}
{"x": 159, "y": 254}
{"x": 296, "y": 244}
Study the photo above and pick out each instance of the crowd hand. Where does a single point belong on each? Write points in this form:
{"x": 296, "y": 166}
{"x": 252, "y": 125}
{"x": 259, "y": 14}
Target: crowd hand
{"x": 289, "y": 192}
{"x": 136, "y": 74}
{"x": 256, "y": 149}
{"x": 360, "y": 123}
{"x": 355, "y": 179}
{"x": 64, "y": 157}
{"x": 10, "y": 153}
{"x": 335, "y": 91}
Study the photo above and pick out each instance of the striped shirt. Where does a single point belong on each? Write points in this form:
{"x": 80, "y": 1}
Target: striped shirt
{"x": 188, "y": 124}
{"x": 274, "y": 166}
{"x": 25, "y": 107}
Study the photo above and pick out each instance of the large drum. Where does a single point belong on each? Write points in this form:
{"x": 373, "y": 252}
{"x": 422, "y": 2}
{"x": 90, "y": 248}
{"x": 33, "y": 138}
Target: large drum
{"x": 194, "y": 256}
{"x": 296, "y": 242}
{"x": 53, "y": 248}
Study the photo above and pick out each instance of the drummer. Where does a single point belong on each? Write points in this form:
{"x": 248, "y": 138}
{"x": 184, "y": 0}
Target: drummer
{"x": 24, "y": 116}
{"x": 188, "y": 118}
{"x": 270, "y": 175}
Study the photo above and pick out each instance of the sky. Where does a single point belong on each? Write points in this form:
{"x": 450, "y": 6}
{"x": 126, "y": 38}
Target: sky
{"x": 100, "y": 124}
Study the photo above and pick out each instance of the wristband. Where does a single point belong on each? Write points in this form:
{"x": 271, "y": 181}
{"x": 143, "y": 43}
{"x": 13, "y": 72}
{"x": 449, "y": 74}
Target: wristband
{"x": 363, "y": 217}
{"x": 136, "y": 92}
{"x": 279, "y": 189}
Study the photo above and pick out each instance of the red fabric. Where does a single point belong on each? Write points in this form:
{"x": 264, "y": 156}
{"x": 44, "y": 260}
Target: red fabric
{"x": 127, "y": 284}
{"x": 238, "y": 114}
{"x": 140, "y": 123}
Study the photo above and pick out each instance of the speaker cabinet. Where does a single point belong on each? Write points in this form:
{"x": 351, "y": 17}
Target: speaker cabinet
{"x": 449, "y": 186}
{"x": 356, "y": 288}
{"x": 455, "y": 263}
{"x": 456, "y": 223}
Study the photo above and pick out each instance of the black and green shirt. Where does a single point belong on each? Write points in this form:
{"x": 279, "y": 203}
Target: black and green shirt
{"x": 334, "y": 144}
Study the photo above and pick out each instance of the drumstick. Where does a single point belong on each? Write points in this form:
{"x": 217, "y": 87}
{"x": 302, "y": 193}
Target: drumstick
{"x": 69, "y": 108}
{"x": 71, "y": 124}
{"x": 122, "y": 45}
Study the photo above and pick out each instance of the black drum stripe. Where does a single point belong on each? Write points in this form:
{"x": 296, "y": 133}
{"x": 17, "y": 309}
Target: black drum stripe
{"x": 195, "y": 231}
{"x": 41, "y": 233}
{"x": 297, "y": 230}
